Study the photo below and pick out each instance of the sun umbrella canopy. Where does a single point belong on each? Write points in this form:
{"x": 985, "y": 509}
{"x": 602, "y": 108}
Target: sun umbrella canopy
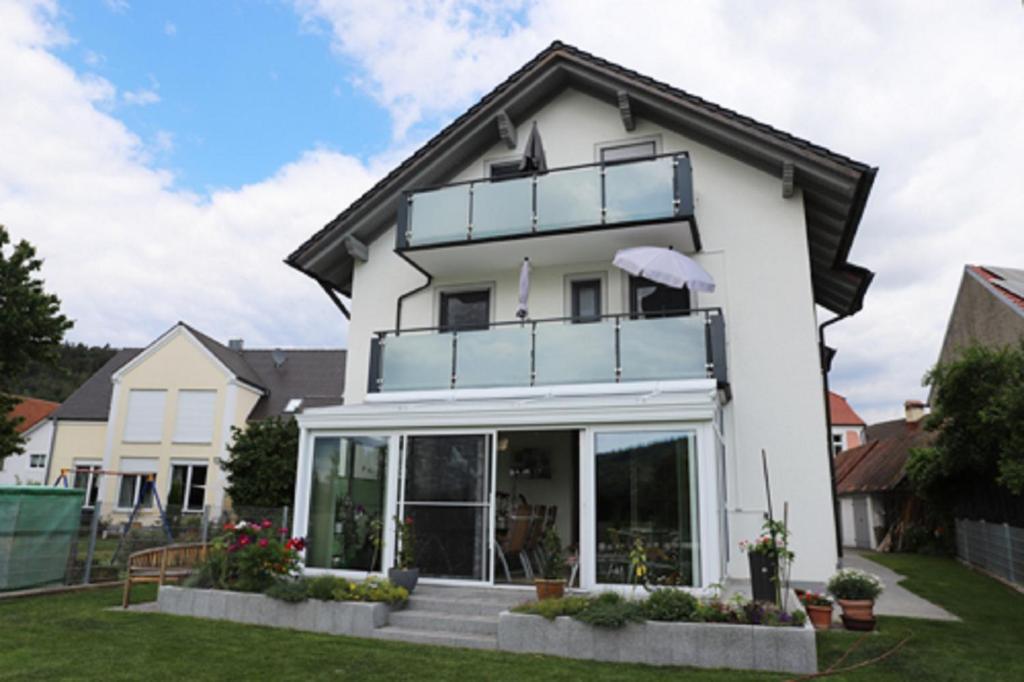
{"x": 524, "y": 290}
{"x": 533, "y": 154}
{"x": 664, "y": 266}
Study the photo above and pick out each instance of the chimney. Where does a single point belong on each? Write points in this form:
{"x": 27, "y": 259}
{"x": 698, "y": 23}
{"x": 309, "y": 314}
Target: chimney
{"x": 235, "y": 345}
{"x": 914, "y": 411}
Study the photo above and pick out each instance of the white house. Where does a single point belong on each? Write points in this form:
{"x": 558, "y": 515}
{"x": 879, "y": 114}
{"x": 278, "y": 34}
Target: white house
{"x": 847, "y": 427}
{"x": 618, "y": 410}
{"x": 36, "y": 429}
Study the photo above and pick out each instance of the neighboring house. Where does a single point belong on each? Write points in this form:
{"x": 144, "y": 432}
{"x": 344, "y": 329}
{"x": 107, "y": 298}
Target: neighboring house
{"x": 168, "y": 409}
{"x": 989, "y": 309}
{"x": 29, "y": 468}
{"x": 847, "y": 426}
{"x": 605, "y": 413}
{"x": 871, "y": 479}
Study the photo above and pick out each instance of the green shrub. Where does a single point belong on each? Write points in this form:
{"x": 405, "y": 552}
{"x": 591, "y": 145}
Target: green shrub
{"x": 553, "y": 608}
{"x": 610, "y": 610}
{"x": 714, "y": 611}
{"x": 380, "y": 590}
{"x": 323, "y": 587}
{"x": 669, "y": 605}
{"x": 292, "y": 591}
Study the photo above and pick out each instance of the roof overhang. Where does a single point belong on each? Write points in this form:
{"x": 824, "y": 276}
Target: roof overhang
{"x": 834, "y": 187}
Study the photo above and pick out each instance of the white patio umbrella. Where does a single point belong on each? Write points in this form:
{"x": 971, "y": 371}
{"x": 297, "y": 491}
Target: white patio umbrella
{"x": 664, "y": 266}
{"x": 524, "y": 290}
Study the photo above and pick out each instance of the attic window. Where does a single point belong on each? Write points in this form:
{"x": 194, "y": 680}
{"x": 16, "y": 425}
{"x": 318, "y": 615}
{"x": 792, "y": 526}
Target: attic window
{"x": 503, "y": 170}
{"x": 293, "y": 405}
{"x": 627, "y": 152}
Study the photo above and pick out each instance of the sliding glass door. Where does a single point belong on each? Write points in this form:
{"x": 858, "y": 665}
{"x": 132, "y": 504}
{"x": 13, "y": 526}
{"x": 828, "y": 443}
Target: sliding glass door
{"x": 446, "y": 494}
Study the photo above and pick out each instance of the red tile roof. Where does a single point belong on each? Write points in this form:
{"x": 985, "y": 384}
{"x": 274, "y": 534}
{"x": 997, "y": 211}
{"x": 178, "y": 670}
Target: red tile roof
{"x": 32, "y": 411}
{"x": 841, "y": 412}
{"x": 881, "y": 463}
{"x": 1001, "y": 284}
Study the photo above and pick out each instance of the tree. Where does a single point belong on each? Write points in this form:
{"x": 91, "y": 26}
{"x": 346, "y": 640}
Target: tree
{"x": 44, "y": 379}
{"x": 261, "y": 470}
{"x": 31, "y": 326}
{"x": 978, "y": 416}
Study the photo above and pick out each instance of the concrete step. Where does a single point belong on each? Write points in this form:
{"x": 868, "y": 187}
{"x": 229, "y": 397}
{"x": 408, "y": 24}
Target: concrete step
{"x": 435, "y": 638}
{"x": 458, "y": 607}
{"x": 497, "y": 594}
{"x": 444, "y": 622}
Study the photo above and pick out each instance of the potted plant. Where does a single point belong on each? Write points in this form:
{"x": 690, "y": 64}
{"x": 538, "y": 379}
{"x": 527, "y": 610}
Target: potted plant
{"x": 767, "y": 553}
{"x": 819, "y": 609}
{"x": 551, "y": 584}
{"x": 404, "y": 574}
{"x": 856, "y": 592}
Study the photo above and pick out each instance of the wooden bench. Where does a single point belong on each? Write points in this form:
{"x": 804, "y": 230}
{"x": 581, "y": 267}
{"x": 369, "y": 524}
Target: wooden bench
{"x": 162, "y": 564}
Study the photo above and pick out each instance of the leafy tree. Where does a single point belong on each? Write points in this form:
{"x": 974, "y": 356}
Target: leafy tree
{"x": 31, "y": 326}
{"x": 261, "y": 470}
{"x": 978, "y": 416}
{"x": 76, "y": 363}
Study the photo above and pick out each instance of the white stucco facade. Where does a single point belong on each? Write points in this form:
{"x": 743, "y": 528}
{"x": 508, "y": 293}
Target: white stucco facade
{"x": 29, "y": 468}
{"x": 754, "y": 246}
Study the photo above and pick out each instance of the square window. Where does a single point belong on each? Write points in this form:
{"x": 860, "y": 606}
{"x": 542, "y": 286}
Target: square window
{"x": 465, "y": 310}
{"x": 36, "y": 461}
{"x": 188, "y": 487}
{"x": 586, "y": 300}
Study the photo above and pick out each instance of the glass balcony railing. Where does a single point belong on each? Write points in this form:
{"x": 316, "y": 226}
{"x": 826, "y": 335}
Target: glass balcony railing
{"x": 614, "y": 349}
{"x": 577, "y": 197}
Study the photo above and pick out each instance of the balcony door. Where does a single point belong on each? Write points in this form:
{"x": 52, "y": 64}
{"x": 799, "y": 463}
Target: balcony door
{"x": 446, "y": 492}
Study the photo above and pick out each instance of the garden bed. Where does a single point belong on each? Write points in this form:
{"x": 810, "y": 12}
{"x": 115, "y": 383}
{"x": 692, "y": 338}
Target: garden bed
{"x": 700, "y": 645}
{"x": 358, "y": 619}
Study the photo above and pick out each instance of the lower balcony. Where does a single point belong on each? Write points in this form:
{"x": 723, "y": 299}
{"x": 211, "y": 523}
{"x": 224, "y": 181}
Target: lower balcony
{"x": 613, "y": 349}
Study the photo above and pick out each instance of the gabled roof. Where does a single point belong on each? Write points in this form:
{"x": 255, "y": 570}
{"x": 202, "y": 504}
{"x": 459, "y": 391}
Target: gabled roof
{"x": 31, "y": 411}
{"x": 91, "y": 400}
{"x": 841, "y": 413}
{"x": 835, "y": 187}
{"x": 880, "y": 464}
{"x": 315, "y": 376}
{"x": 1006, "y": 284}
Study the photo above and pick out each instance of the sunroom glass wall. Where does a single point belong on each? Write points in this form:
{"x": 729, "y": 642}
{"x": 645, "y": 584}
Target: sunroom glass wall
{"x": 346, "y": 508}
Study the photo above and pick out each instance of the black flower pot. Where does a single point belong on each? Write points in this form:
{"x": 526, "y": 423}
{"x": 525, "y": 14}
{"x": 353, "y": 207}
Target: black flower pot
{"x": 764, "y": 571}
{"x": 404, "y": 577}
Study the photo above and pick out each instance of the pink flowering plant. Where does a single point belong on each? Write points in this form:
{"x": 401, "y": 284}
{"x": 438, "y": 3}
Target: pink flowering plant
{"x": 250, "y": 556}
{"x": 773, "y": 541}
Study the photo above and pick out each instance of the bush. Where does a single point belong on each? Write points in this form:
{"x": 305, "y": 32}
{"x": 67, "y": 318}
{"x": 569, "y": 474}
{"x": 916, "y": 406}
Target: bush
{"x": 610, "y": 610}
{"x": 324, "y": 586}
{"x": 292, "y": 591}
{"x": 249, "y": 557}
{"x": 850, "y": 583}
{"x": 553, "y": 608}
{"x": 670, "y": 605}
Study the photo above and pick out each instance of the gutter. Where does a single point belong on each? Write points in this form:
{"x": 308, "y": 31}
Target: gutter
{"x": 401, "y": 298}
{"x": 828, "y": 434}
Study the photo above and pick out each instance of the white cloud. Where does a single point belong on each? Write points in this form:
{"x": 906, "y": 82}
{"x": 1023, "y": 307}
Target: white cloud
{"x": 170, "y": 29}
{"x": 127, "y": 252}
{"x": 141, "y": 97}
{"x": 932, "y": 95}
{"x": 93, "y": 59}
{"x": 117, "y": 6}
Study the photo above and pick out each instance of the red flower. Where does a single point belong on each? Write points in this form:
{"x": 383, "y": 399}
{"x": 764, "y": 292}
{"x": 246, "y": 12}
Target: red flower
{"x": 229, "y": 526}
{"x": 297, "y": 544}
{"x": 244, "y": 540}
{"x": 408, "y": 520}
{"x": 266, "y": 523}
{"x": 264, "y": 542}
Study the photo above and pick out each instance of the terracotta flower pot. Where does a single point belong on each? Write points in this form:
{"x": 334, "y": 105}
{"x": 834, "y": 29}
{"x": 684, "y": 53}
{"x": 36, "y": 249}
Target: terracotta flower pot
{"x": 549, "y": 589}
{"x": 821, "y": 616}
{"x": 858, "y": 609}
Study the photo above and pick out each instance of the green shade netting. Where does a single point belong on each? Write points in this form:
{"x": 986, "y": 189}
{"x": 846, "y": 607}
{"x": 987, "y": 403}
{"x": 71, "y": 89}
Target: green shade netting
{"x": 37, "y": 527}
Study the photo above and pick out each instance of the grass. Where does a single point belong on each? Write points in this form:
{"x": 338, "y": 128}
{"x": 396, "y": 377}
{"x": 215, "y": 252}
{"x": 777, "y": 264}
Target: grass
{"x": 73, "y": 636}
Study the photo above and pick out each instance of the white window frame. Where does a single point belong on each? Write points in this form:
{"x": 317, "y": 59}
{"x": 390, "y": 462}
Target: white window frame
{"x": 139, "y": 478}
{"x": 40, "y": 457}
{"x": 601, "y": 275}
{"x": 137, "y": 438}
{"x": 207, "y": 439}
{"x": 93, "y": 466}
{"x": 628, "y": 141}
{"x": 190, "y": 465}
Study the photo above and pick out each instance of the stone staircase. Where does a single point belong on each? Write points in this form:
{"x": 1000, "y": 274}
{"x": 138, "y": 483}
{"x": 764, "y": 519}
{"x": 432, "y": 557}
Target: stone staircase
{"x": 452, "y": 616}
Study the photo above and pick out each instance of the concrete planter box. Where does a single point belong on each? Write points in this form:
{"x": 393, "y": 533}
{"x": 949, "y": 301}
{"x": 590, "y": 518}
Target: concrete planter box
{"x": 358, "y": 619}
{"x": 700, "y": 645}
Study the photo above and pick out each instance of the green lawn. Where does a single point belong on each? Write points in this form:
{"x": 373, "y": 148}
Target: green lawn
{"x": 73, "y": 636}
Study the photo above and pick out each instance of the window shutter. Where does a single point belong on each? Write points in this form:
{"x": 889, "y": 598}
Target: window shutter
{"x": 144, "y": 422}
{"x": 194, "y": 423}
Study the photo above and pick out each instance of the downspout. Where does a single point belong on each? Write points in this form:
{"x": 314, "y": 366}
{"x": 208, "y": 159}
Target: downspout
{"x": 828, "y": 432}
{"x": 401, "y": 299}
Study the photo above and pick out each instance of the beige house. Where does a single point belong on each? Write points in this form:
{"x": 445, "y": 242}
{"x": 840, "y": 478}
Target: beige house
{"x": 167, "y": 410}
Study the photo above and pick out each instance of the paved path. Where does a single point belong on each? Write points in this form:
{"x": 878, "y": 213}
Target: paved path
{"x": 895, "y": 600}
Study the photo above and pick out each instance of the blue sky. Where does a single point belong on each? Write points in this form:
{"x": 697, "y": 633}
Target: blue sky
{"x": 243, "y": 86}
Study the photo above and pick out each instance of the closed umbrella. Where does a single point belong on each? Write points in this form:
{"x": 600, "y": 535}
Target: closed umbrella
{"x": 664, "y": 266}
{"x": 533, "y": 154}
{"x": 524, "y": 290}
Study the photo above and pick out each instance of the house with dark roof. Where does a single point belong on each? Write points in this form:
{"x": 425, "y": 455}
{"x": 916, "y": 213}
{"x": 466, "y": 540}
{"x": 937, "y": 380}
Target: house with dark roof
{"x": 871, "y": 479}
{"x": 29, "y": 468}
{"x": 510, "y": 357}
{"x": 167, "y": 410}
{"x": 989, "y": 309}
{"x": 847, "y": 426}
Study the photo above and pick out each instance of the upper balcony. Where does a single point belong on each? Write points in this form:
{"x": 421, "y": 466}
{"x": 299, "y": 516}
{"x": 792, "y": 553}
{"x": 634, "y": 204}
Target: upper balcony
{"x": 635, "y": 202}
{"x": 609, "y": 349}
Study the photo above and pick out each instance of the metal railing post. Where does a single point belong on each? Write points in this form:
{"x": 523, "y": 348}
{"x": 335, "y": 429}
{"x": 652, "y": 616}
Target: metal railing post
{"x": 94, "y": 527}
{"x": 618, "y": 349}
{"x": 533, "y": 353}
{"x": 284, "y": 516}
{"x": 455, "y": 344}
